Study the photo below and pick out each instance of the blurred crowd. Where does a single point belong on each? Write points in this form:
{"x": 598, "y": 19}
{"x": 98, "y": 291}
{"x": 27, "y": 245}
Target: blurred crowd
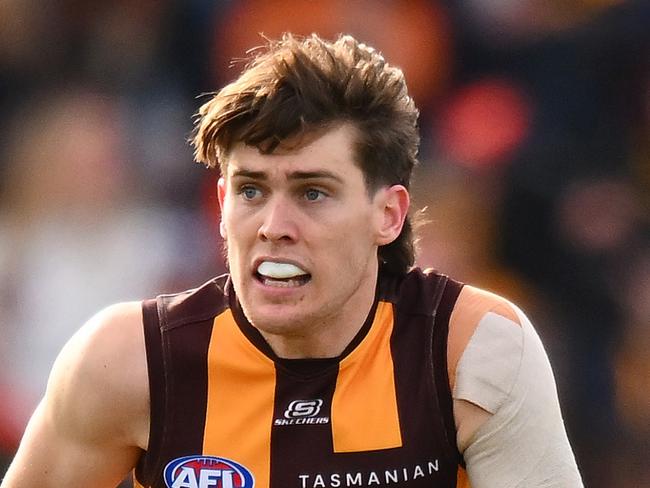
{"x": 534, "y": 175}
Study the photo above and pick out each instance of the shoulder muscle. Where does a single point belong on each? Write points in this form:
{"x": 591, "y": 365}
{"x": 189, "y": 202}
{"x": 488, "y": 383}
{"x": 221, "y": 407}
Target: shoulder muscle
{"x": 92, "y": 423}
{"x": 475, "y": 307}
{"x": 508, "y": 417}
{"x": 98, "y": 384}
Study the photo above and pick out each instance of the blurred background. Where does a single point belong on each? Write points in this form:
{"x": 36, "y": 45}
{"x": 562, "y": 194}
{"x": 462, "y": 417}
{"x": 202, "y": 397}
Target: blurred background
{"x": 535, "y": 171}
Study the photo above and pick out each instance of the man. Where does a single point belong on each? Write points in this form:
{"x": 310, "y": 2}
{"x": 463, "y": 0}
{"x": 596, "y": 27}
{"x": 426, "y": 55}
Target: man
{"x": 323, "y": 359}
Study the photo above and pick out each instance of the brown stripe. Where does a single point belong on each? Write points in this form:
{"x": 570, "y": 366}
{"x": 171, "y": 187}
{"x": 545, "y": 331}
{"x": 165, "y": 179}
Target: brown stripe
{"x": 176, "y": 357}
{"x": 471, "y": 306}
{"x": 145, "y": 470}
{"x": 233, "y": 362}
{"x": 365, "y": 381}
{"x": 302, "y": 448}
{"x": 448, "y": 300}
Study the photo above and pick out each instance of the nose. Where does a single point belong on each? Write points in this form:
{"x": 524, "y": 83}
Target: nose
{"x": 278, "y": 223}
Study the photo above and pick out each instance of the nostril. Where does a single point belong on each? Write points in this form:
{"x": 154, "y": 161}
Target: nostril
{"x": 278, "y": 222}
{"x": 275, "y": 233}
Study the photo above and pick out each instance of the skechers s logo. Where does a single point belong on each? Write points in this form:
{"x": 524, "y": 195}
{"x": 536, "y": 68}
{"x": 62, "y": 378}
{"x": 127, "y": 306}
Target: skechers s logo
{"x": 207, "y": 471}
{"x": 303, "y": 408}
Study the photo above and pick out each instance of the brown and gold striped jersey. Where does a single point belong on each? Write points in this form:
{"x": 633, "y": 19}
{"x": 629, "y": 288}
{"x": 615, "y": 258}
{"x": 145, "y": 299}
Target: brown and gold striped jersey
{"x": 227, "y": 412}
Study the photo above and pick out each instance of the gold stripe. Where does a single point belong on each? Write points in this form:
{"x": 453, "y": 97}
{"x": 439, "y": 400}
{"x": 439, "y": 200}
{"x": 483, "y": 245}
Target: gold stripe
{"x": 136, "y": 484}
{"x": 461, "y": 478}
{"x": 239, "y": 418}
{"x": 364, "y": 407}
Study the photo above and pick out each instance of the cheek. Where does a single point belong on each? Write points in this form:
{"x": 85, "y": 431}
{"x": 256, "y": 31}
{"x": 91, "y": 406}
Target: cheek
{"x": 351, "y": 240}
{"x": 234, "y": 232}
{"x": 235, "y": 222}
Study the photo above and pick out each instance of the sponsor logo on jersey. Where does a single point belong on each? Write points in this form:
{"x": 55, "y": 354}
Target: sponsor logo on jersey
{"x": 396, "y": 476}
{"x": 206, "y": 472}
{"x": 303, "y": 412}
{"x": 303, "y": 408}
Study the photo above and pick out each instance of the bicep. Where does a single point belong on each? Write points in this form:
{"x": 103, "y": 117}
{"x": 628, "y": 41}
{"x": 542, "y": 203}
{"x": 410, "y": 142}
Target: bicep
{"x": 50, "y": 455}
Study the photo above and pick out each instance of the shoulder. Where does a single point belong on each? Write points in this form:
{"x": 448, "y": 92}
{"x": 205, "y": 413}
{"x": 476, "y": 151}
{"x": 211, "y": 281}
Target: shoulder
{"x": 98, "y": 385}
{"x": 418, "y": 292}
{"x": 484, "y": 355}
{"x": 508, "y": 420}
{"x": 487, "y": 321}
{"x": 199, "y": 303}
{"x": 104, "y": 341}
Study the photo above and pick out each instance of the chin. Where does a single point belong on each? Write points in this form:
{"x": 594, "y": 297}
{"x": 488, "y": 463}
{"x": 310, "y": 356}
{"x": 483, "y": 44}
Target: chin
{"x": 279, "y": 321}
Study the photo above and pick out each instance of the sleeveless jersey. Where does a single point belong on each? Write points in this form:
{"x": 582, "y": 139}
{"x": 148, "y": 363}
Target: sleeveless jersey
{"x": 227, "y": 412}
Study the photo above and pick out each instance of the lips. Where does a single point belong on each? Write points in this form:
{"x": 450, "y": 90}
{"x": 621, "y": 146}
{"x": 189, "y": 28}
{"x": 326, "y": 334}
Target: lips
{"x": 281, "y": 274}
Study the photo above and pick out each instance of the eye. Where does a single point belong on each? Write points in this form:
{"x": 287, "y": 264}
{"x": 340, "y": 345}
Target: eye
{"x": 249, "y": 192}
{"x": 313, "y": 195}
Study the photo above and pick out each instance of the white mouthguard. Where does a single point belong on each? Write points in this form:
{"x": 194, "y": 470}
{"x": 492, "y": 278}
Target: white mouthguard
{"x": 281, "y": 271}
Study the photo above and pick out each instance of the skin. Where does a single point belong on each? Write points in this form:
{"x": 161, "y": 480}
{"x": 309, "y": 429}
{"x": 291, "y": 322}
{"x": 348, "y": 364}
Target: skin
{"x": 298, "y": 207}
{"x": 309, "y": 207}
{"x": 93, "y": 422}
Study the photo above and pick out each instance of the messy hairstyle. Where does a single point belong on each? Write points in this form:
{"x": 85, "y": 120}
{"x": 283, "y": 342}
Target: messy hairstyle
{"x": 299, "y": 86}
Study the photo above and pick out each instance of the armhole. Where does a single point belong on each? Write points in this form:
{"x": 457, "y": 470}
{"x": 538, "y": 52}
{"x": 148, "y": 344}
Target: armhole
{"x": 146, "y": 468}
{"x": 441, "y": 375}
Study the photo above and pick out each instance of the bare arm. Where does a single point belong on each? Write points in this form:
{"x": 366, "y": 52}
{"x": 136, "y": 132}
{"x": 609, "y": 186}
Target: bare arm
{"x": 92, "y": 423}
{"x": 509, "y": 424}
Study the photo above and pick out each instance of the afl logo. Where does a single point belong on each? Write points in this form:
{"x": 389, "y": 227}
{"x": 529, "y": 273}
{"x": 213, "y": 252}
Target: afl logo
{"x": 207, "y": 471}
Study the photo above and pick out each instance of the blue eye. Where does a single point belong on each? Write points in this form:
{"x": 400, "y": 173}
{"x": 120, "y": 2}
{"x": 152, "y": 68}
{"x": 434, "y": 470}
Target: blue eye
{"x": 313, "y": 195}
{"x": 249, "y": 192}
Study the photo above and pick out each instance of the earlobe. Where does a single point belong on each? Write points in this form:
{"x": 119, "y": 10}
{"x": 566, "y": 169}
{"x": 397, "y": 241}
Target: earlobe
{"x": 395, "y": 208}
{"x": 221, "y": 195}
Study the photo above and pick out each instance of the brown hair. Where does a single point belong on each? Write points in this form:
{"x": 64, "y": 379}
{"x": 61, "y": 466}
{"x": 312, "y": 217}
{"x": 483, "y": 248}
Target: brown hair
{"x": 298, "y": 86}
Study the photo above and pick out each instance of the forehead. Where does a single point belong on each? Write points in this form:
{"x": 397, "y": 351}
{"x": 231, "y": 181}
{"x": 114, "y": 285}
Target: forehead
{"x": 332, "y": 150}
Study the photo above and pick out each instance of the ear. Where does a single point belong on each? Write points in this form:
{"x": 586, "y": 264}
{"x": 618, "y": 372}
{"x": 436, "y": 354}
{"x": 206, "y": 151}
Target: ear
{"x": 394, "y": 204}
{"x": 221, "y": 196}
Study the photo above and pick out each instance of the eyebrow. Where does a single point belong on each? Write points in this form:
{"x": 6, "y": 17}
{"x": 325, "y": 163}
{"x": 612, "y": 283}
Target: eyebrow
{"x": 294, "y": 175}
{"x": 245, "y": 173}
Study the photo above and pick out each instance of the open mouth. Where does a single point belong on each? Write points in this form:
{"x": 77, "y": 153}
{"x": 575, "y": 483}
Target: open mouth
{"x": 281, "y": 275}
